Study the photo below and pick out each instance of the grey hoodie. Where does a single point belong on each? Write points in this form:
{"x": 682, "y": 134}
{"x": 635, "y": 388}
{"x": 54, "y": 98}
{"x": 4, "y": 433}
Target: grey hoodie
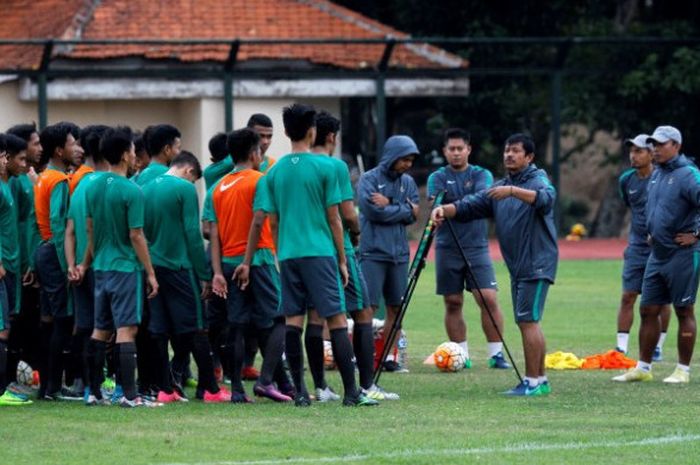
{"x": 383, "y": 229}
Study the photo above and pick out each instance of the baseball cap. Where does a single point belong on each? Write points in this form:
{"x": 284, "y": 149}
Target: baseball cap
{"x": 663, "y": 134}
{"x": 639, "y": 141}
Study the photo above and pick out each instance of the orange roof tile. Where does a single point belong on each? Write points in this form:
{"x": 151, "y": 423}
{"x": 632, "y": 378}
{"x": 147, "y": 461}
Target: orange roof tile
{"x": 224, "y": 19}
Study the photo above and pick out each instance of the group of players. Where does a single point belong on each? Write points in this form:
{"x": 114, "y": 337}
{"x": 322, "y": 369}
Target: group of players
{"x": 104, "y": 266}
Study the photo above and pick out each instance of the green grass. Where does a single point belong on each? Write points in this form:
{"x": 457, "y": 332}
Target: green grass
{"x": 442, "y": 418}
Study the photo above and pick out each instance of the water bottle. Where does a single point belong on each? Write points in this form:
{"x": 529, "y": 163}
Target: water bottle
{"x": 402, "y": 346}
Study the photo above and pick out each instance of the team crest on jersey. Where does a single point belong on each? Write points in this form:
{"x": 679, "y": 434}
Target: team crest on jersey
{"x": 670, "y": 180}
{"x": 468, "y": 184}
{"x": 295, "y": 160}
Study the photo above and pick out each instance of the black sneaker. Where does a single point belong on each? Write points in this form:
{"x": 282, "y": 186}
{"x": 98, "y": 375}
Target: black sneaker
{"x": 68, "y": 394}
{"x": 391, "y": 366}
{"x": 359, "y": 400}
{"x": 302, "y": 400}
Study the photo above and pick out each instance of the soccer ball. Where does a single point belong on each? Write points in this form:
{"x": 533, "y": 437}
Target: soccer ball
{"x": 449, "y": 357}
{"x": 328, "y": 360}
{"x": 25, "y": 374}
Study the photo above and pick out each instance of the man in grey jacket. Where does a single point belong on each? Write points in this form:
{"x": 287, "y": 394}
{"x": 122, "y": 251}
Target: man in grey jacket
{"x": 522, "y": 206}
{"x": 388, "y": 200}
{"x": 672, "y": 272}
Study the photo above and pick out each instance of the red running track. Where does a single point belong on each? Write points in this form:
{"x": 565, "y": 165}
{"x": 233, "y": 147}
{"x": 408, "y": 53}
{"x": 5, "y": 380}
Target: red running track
{"x": 585, "y": 249}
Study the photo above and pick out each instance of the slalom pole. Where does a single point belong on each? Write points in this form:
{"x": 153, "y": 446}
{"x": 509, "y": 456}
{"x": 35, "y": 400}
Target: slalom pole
{"x": 414, "y": 272}
{"x": 472, "y": 279}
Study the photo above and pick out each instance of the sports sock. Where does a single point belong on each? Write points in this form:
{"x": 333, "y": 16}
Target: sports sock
{"x": 45, "y": 330}
{"x": 295, "y": 357}
{"x": 363, "y": 346}
{"x": 623, "y": 341}
{"x": 236, "y": 355}
{"x": 533, "y": 382}
{"x": 201, "y": 351}
{"x": 662, "y": 339}
{"x": 83, "y": 336}
{"x": 272, "y": 346}
{"x": 542, "y": 379}
{"x": 161, "y": 362}
{"x": 494, "y": 348}
{"x": 95, "y": 364}
{"x": 3, "y": 365}
{"x": 127, "y": 365}
{"x": 251, "y": 346}
{"x": 465, "y": 348}
{"x": 342, "y": 352}
{"x": 14, "y": 345}
{"x": 644, "y": 366}
{"x": 60, "y": 338}
{"x": 685, "y": 368}
{"x": 145, "y": 364}
{"x": 313, "y": 342}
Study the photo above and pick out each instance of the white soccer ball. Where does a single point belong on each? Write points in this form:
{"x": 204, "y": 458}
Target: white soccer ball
{"x": 449, "y": 357}
{"x": 25, "y": 374}
{"x": 328, "y": 359}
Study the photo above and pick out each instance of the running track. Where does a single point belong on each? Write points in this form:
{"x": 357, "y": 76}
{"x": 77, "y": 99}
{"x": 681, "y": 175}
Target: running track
{"x": 585, "y": 249}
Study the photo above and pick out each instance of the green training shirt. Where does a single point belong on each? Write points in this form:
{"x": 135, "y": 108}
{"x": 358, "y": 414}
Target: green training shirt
{"x": 216, "y": 171}
{"x": 78, "y": 212}
{"x": 29, "y": 238}
{"x": 300, "y": 188}
{"x": 116, "y": 206}
{"x": 9, "y": 223}
{"x": 149, "y": 173}
{"x": 346, "y": 193}
{"x": 172, "y": 225}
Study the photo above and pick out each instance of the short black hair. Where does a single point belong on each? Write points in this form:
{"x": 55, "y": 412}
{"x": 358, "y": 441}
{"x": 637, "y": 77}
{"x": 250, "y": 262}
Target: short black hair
{"x": 3, "y": 145}
{"x": 185, "y": 158}
{"x": 456, "y": 133}
{"x": 259, "y": 119}
{"x": 160, "y": 136}
{"x": 23, "y": 131}
{"x": 217, "y": 147}
{"x": 115, "y": 142}
{"x": 325, "y": 124}
{"x": 139, "y": 142}
{"x": 53, "y": 137}
{"x": 520, "y": 138}
{"x": 13, "y": 144}
{"x": 298, "y": 119}
{"x": 90, "y": 140}
{"x": 240, "y": 142}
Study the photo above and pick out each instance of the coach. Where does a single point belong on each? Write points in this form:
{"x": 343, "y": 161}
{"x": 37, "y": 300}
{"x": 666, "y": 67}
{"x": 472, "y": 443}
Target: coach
{"x": 671, "y": 275}
{"x": 522, "y": 207}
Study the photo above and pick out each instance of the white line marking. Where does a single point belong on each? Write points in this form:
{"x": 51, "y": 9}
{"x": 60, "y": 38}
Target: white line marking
{"x": 514, "y": 448}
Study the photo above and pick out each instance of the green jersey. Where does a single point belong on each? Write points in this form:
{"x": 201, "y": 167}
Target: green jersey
{"x": 172, "y": 225}
{"x": 346, "y": 192}
{"x": 29, "y": 238}
{"x": 152, "y": 171}
{"x": 78, "y": 212}
{"x": 301, "y": 186}
{"x": 9, "y": 223}
{"x": 216, "y": 171}
{"x": 115, "y": 206}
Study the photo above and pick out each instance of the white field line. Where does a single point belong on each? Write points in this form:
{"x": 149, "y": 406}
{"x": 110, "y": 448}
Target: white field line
{"x": 410, "y": 453}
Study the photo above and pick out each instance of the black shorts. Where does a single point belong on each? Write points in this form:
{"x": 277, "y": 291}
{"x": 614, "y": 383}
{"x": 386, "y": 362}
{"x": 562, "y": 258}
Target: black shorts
{"x": 118, "y": 299}
{"x": 385, "y": 279}
{"x": 178, "y": 308}
{"x": 312, "y": 280}
{"x": 258, "y": 304}
{"x": 528, "y": 299}
{"x": 84, "y": 302}
{"x": 451, "y": 272}
{"x": 55, "y": 298}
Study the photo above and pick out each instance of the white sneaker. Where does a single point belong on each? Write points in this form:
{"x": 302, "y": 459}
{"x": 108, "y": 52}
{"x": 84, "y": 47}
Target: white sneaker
{"x": 326, "y": 395}
{"x": 378, "y": 393}
{"x": 679, "y": 376}
{"x": 138, "y": 402}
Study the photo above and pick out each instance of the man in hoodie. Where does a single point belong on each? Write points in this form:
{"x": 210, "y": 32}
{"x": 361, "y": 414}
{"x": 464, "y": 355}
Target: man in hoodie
{"x": 388, "y": 200}
{"x": 522, "y": 205}
{"x": 671, "y": 275}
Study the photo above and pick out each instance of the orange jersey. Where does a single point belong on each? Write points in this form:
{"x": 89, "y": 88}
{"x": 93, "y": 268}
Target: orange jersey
{"x": 75, "y": 178}
{"x": 232, "y": 201}
{"x": 267, "y": 164}
{"x": 45, "y": 184}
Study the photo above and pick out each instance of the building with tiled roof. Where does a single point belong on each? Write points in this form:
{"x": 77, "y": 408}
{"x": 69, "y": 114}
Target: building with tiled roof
{"x": 184, "y": 84}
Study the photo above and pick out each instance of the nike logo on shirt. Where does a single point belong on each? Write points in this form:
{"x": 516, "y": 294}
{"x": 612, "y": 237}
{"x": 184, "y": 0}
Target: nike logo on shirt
{"x": 450, "y": 182}
{"x": 225, "y": 187}
{"x": 381, "y": 186}
{"x": 632, "y": 192}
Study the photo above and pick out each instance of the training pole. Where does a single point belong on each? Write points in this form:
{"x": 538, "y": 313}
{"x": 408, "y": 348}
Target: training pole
{"x": 472, "y": 279}
{"x": 414, "y": 272}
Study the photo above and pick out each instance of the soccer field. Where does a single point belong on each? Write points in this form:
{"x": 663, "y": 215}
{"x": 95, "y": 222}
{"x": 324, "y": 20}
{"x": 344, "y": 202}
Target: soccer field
{"x": 441, "y": 418}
